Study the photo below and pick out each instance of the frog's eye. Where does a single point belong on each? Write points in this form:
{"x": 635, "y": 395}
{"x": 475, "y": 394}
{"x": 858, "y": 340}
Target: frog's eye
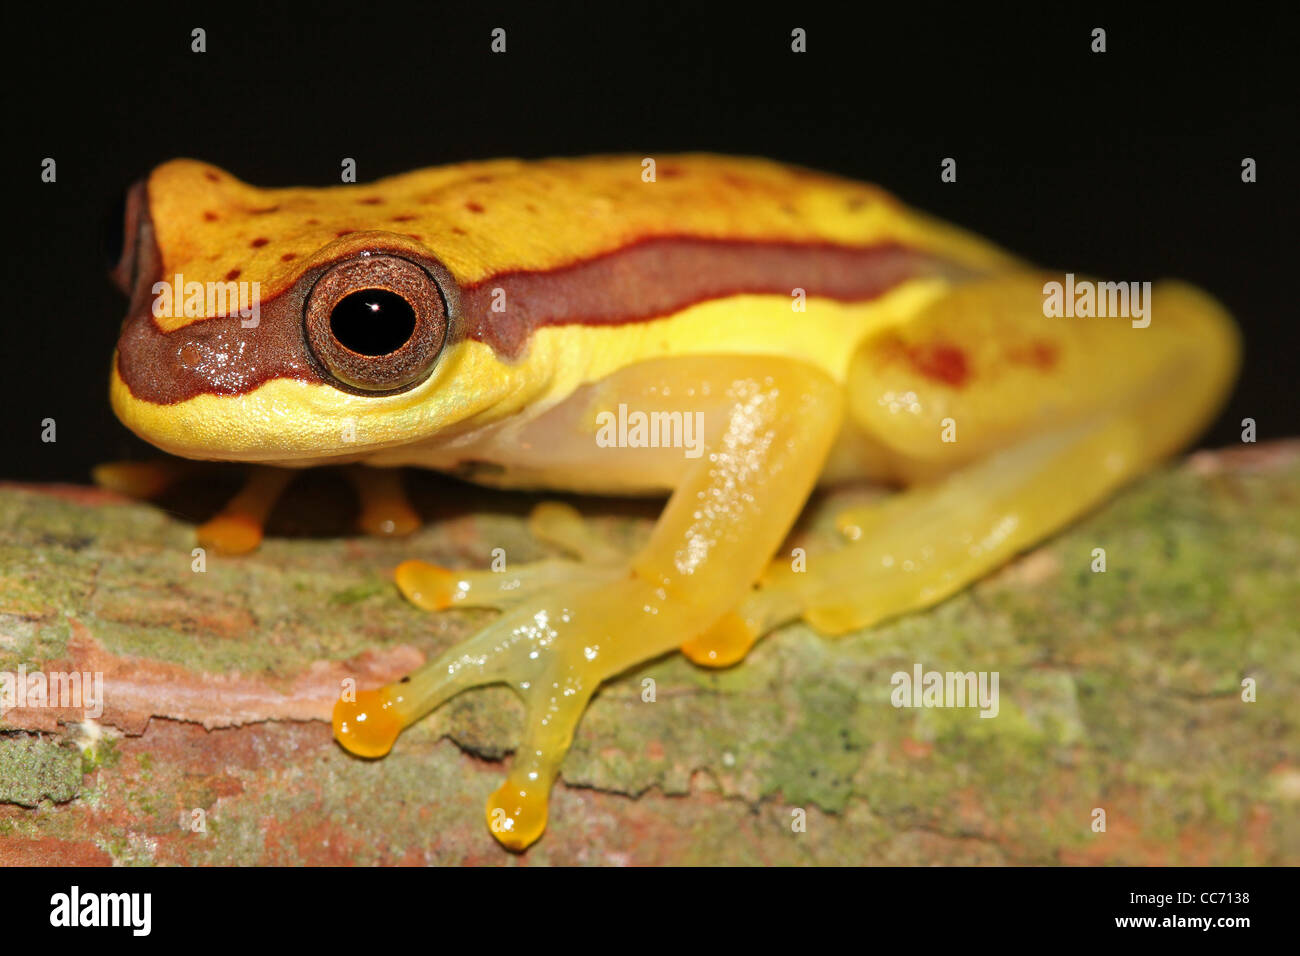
{"x": 377, "y": 322}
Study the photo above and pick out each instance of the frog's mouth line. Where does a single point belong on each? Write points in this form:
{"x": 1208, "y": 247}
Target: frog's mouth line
{"x": 644, "y": 280}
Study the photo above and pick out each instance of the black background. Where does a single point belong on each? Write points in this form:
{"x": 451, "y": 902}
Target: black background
{"x": 1124, "y": 164}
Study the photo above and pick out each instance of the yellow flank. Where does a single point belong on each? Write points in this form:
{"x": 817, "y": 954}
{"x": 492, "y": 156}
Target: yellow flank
{"x": 1001, "y": 421}
{"x": 484, "y": 218}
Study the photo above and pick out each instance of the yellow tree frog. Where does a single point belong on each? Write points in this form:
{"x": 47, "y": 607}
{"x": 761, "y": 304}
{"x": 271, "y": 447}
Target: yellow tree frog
{"x": 726, "y": 331}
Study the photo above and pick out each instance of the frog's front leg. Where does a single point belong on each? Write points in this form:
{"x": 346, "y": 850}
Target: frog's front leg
{"x": 238, "y": 528}
{"x": 240, "y": 525}
{"x": 727, "y": 515}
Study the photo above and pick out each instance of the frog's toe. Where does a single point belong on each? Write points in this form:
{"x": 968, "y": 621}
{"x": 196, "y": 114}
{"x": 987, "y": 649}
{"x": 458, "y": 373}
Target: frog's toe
{"x": 230, "y": 534}
{"x": 563, "y": 527}
{"x": 514, "y": 650}
{"x": 517, "y": 810}
{"x": 428, "y": 586}
{"x": 141, "y": 479}
{"x": 722, "y": 645}
{"x": 735, "y": 633}
{"x": 517, "y": 815}
{"x": 435, "y": 588}
{"x": 367, "y": 722}
{"x": 553, "y": 651}
{"x": 385, "y": 509}
{"x": 239, "y": 527}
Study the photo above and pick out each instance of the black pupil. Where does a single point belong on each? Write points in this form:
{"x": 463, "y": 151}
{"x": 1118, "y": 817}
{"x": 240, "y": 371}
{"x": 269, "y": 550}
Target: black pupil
{"x": 372, "y": 321}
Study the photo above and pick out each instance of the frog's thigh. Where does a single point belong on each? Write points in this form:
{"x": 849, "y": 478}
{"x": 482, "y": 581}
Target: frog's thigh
{"x": 1049, "y": 415}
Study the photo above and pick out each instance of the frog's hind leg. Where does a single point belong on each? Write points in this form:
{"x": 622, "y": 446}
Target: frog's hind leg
{"x": 1110, "y": 401}
{"x": 935, "y": 539}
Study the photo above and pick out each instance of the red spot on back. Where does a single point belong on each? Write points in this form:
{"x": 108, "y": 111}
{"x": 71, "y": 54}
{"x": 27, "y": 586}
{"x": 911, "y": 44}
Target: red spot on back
{"x": 232, "y": 275}
{"x": 289, "y": 257}
{"x": 942, "y": 363}
{"x": 212, "y": 177}
{"x": 473, "y": 207}
{"x": 259, "y": 242}
{"x": 401, "y": 219}
{"x": 936, "y": 361}
{"x": 370, "y": 201}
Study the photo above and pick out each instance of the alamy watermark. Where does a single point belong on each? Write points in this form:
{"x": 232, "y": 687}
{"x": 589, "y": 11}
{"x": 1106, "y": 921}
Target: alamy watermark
{"x": 194, "y": 300}
{"x": 923, "y": 688}
{"x": 1087, "y": 299}
{"x": 130, "y": 910}
{"x": 637, "y": 429}
{"x": 64, "y": 690}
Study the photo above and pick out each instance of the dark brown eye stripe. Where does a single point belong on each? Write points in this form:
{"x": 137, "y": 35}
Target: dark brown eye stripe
{"x": 661, "y": 276}
{"x": 641, "y": 282}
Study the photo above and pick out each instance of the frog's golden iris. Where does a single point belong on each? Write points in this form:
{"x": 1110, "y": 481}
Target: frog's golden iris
{"x": 820, "y": 329}
{"x": 378, "y": 322}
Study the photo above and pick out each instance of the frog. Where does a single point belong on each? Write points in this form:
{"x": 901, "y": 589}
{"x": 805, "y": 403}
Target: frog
{"x": 727, "y": 334}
